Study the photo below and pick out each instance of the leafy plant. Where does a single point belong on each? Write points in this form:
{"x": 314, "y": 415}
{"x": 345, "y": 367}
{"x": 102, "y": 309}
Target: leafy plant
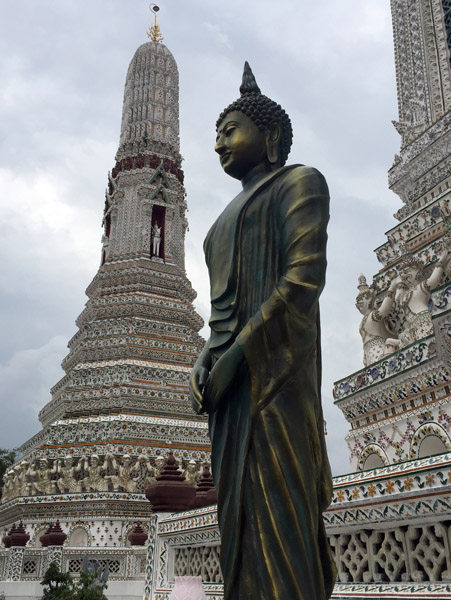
{"x": 61, "y": 586}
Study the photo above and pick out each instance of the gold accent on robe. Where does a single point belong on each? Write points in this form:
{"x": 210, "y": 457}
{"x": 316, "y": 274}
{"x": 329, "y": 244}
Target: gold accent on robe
{"x": 266, "y": 256}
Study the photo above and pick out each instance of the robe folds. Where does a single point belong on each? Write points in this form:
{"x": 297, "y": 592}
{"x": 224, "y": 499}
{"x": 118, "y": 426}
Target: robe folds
{"x": 266, "y": 256}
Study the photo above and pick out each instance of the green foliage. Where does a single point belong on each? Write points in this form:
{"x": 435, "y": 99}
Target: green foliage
{"x": 6, "y": 461}
{"x": 61, "y": 586}
{"x": 84, "y": 592}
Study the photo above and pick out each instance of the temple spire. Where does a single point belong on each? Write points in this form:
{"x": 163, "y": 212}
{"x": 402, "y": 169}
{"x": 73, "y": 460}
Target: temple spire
{"x": 154, "y": 31}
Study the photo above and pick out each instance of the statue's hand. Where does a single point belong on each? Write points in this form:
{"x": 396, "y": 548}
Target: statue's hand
{"x": 198, "y": 379}
{"x": 444, "y": 258}
{"x": 222, "y": 377}
{"x": 199, "y": 376}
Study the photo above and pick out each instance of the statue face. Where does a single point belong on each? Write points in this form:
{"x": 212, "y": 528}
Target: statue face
{"x": 364, "y": 304}
{"x": 240, "y": 144}
{"x": 409, "y": 274}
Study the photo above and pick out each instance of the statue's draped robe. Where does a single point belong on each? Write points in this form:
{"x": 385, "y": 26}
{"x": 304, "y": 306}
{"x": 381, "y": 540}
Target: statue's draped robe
{"x": 266, "y": 258}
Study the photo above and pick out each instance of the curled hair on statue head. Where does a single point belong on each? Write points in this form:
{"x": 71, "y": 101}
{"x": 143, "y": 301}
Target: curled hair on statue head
{"x": 262, "y": 111}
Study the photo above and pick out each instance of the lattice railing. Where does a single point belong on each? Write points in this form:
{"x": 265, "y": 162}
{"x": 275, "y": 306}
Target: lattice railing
{"x": 416, "y": 553}
{"x": 116, "y": 564}
{"x": 123, "y": 564}
{"x": 198, "y": 561}
{"x": 410, "y": 553}
{"x": 31, "y": 566}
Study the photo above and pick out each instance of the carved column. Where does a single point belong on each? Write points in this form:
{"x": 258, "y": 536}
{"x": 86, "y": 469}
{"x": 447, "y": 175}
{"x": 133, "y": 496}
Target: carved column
{"x": 151, "y": 559}
{"x": 15, "y": 563}
{"x": 54, "y": 554}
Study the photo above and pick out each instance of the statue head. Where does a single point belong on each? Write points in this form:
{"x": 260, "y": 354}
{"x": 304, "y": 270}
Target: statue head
{"x": 192, "y": 466}
{"x": 264, "y": 129}
{"x": 410, "y": 269}
{"x": 365, "y": 303}
{"x": 160, "y": 462}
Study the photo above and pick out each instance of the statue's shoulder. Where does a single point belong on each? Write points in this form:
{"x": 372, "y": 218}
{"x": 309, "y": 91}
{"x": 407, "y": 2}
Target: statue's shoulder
{"x": 304, "y": 180}
{"x": 306, "y": 172}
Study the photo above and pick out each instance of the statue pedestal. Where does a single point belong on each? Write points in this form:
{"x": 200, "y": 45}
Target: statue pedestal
{"x": 188, "y": 588}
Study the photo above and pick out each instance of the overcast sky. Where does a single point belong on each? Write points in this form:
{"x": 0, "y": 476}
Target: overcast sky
{"x": 62, "y": 71}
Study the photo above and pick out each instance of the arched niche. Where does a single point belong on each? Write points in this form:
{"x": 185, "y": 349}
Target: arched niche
{"x": 373, "y": 461}
{"x": 372, "y": 457}
{"x": 429, "y": 439}
{"x": 431, "y": 445}
{"x": 78, "y": 537}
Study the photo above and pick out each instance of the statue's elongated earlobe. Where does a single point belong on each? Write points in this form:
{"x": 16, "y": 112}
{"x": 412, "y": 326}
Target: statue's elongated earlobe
{"x": 273, "y": 142}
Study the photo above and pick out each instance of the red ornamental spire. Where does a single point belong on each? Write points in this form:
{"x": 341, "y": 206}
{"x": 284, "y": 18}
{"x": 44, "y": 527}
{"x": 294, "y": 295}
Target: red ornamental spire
{"x": 55, "y": 535}
{"x": 205, "y": 491}
{"x": 19, "y": 537}
{"x": 138, "y": 536}
{"x": 170, "y": 493}
{"x": 6, "y": 539}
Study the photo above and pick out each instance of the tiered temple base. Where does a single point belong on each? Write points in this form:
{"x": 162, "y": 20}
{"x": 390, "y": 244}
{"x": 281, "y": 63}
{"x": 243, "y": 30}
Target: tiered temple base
{"x": 389, "y": 529}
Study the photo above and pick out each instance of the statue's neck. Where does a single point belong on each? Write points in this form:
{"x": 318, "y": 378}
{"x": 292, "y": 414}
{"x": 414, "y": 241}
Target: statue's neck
{"x": 258, "y": 172}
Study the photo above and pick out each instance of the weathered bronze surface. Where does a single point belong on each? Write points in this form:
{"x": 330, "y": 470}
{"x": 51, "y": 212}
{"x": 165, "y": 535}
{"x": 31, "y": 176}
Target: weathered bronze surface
{"x": 259, "y": 374}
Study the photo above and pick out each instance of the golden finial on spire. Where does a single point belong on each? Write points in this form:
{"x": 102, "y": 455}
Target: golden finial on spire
{"x": 154, "y": 32}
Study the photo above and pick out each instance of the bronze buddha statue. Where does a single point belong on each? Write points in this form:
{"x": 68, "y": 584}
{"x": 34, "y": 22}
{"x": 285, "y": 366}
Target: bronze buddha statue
{"x": 259, "y": 374}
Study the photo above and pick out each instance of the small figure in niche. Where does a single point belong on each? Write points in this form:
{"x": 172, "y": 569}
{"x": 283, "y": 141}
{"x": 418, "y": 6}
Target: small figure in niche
{"x": 156, "y": 239}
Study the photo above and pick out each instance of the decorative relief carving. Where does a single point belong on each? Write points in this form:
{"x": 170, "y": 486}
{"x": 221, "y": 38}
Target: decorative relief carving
{"x": 415, "y": 354}
{"x": 93, "y": 473}
{"x": 147, "y": 161}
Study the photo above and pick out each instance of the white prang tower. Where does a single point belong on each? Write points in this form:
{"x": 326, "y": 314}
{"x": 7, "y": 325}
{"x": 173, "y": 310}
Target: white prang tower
{"x": 399, "y": 406}
{"x": 389, "y": 521}
{"x": 123, "y": 402}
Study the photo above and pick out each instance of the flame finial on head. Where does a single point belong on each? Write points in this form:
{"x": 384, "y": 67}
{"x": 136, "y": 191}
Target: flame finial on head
{"x": 248, "y": 85}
